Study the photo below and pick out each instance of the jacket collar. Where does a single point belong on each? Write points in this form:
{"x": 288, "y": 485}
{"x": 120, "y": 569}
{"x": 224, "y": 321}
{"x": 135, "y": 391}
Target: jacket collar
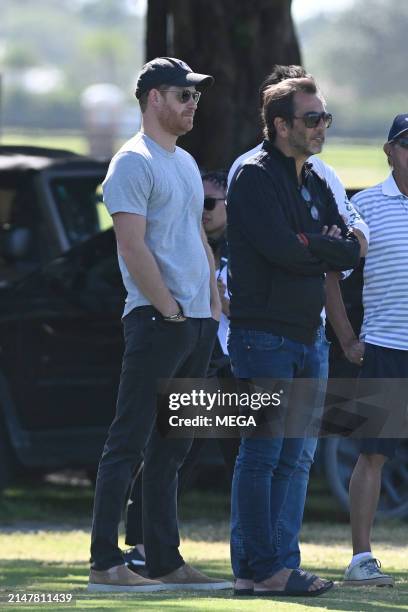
{"x": 288, "y": 162}
{"x": 390, "y": 187}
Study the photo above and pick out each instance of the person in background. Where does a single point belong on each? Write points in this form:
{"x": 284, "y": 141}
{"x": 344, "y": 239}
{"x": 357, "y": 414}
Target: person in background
{"x": 383, "y": 339}
{"x": 214, "y": 223}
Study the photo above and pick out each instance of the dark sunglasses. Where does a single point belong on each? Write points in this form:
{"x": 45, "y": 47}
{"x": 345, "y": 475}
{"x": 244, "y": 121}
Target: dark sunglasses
{"x": 186, "y": 95}
{"x": 314, "y": 211}
{"x": 402, "y": 142}
{"x": 312, "y": 119}
{"x": 211, "y": 203}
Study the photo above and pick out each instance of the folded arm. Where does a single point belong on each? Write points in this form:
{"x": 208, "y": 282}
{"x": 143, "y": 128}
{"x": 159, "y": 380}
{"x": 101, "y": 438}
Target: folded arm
{"x": 254, "y": 201}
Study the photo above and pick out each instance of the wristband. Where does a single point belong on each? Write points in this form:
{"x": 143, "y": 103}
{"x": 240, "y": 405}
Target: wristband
{"x": 179, "y": 316}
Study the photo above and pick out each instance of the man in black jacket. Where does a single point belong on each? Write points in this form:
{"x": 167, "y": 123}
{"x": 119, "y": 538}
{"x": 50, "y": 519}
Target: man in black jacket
{"x": 284, "y": 233}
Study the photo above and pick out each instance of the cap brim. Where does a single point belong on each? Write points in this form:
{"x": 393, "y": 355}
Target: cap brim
{"x": 201, "y": 81}
{"x": 399, "y": 134}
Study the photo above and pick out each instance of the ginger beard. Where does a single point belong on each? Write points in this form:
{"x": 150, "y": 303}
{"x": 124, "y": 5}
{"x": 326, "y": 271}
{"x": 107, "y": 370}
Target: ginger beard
{"x": 175, "y": 117}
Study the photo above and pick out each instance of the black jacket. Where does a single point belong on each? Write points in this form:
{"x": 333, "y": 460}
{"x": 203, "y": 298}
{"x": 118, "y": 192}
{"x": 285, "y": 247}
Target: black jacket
{"x": 276, "y": 283}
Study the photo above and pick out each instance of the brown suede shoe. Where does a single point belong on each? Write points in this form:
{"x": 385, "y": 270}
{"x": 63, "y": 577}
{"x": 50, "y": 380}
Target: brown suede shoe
{"x": 187, "y": 578}
{"x": 121, "y": 579}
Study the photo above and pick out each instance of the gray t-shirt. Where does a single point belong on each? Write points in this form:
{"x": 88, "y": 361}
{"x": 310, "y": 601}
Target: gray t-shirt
{"x": 166, "y": 188}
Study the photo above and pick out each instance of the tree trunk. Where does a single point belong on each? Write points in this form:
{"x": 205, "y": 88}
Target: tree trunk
{"x": 156, "y": 30}
{"x": 237, "y": 42}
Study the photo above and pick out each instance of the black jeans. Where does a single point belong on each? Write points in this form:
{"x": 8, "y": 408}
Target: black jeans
{"x": 134, "y": 517}
{"x": 154, "y": 349}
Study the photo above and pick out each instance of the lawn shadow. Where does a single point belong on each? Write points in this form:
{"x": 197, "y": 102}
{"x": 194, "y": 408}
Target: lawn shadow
{"x": 40, "y": 575}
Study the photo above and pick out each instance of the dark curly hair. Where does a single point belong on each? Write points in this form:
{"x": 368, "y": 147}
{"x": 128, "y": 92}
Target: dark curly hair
{"x": 218, "y": 177}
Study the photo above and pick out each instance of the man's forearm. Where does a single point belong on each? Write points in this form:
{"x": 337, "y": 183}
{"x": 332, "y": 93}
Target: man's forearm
{"x": 338, "y": 253}
{"x": 336, "y": 311}
{"x": 337, "y": 315}
{"x": 145, "y": 272}
{"x": 362, "y": 240}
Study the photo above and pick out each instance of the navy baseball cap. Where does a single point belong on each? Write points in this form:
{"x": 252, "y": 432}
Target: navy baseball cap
{"x": 169, "y": 71}
{"x": 399, "y": 125}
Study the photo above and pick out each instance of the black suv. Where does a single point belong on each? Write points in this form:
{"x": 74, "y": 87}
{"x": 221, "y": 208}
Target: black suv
{"x": 61, "y": 299}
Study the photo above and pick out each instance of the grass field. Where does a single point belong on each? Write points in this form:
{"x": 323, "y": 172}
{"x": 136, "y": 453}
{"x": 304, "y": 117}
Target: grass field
{"x": 44, "y": 544}
{"x": 70, "y": 141}
{"x": 44, "y": 528}
{"x": 55, "y": 560}
{"x": 358, "y": 164}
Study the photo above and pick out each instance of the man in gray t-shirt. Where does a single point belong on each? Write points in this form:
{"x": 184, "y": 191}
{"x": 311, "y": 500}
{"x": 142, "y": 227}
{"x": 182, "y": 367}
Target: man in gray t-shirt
{"x": 154, "y": 193}
{"x": 165, "y": 188}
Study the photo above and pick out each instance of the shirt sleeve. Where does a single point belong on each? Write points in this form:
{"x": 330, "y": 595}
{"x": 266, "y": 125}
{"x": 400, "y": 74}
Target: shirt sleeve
{"x": 128, "y": 184}
{"x": 357, "y": 202}
{"x": 328, "y": 174}
{"x": 239, "y": 161}
{"x": 354, "y": 219}
{"x": 345, "y": 207}
{"x": 224, "y": 277}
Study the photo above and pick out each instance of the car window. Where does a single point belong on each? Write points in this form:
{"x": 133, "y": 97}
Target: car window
{"x": 22, "y": 232}
{"x": 80, "y": 205}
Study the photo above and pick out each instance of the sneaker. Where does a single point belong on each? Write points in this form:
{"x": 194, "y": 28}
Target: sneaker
{"x": 367, "y": 573}
{"x": 121, "y": 579}
{"x": 187, "y": 578}
{"x": 133, "y": 557}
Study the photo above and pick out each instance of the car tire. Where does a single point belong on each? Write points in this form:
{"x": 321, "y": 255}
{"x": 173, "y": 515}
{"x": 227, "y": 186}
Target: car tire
{"x": 340, "y": 456}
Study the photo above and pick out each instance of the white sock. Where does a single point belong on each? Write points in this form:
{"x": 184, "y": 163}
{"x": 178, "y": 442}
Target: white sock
{"x": 360, "y": 556}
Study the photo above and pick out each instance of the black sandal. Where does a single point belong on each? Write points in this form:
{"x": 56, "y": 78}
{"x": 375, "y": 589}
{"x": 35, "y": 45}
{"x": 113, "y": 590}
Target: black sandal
{"x": 298, "y": 585}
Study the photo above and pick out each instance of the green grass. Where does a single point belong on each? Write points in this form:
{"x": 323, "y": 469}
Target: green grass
{"x": 358, "y": 165}
{"x": 72, "y": 141}
{"x": 57, "y": 561}
{"x": 44, "y": 544}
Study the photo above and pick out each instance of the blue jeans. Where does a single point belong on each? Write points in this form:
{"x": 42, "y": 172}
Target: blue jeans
{"x": 271, "y": 475}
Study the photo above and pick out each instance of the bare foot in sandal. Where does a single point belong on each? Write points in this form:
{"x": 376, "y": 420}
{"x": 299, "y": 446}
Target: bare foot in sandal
{"x": 292, "y": 583}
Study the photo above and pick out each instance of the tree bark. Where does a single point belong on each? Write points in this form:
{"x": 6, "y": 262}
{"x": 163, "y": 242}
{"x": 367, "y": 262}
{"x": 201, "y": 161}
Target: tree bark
{"x": 156, "y": 30}
{"x": 237, "y": 42}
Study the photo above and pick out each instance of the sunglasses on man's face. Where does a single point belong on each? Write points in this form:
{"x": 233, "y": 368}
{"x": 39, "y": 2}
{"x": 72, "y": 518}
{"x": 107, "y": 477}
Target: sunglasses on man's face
{"x": 402, "y": 142}
{"x": 312, "y": 119}
{"x": 185, "y": 95}
{"x": 210, "y": 203}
